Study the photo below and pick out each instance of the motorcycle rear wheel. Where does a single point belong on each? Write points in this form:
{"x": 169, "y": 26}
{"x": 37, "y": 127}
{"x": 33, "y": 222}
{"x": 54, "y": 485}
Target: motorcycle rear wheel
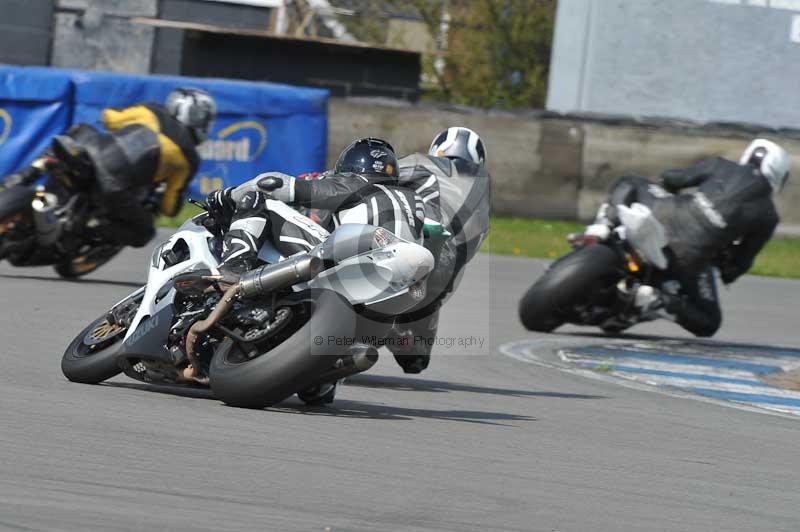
{"x": 290, "y": 366}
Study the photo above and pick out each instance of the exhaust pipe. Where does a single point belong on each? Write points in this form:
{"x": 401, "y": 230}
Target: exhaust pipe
{"x": 284, "y": 274}
{"x": 260, "y": 281}
{"x": 203, "y": 326}
{"x": 359, "y": 358}
{"x": 364, "y": 357}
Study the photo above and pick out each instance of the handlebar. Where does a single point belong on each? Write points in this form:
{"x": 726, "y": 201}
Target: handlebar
{"x": 200, "y": 204}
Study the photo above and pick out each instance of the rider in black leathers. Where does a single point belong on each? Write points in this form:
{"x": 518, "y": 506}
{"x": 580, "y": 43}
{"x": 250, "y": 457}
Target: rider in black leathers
{"x": 724, "y": 223}
{"x": 142, "y": 147}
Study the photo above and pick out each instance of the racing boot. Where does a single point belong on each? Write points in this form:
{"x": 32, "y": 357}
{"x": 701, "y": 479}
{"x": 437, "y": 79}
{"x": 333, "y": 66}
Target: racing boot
{"x": 412, "y": 342}
{"x": 249, "y": 227}
{"x": 646, "y": 301}
{"x": 239, "y": 255}
{"x": 323, "y": 394}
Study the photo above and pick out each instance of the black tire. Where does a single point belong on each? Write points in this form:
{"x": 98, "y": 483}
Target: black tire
{"x": 614, "y": 330}
{"x": 289, "y": 367}
{"x": 75, "y": 267}
{"x": 82, "y": 364}
{"x": 545, "y": 306}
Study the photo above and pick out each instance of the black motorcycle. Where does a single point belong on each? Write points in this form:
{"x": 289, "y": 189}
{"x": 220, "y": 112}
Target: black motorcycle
{"x": 594, "y": 285}
{"x": 52, "y": 224}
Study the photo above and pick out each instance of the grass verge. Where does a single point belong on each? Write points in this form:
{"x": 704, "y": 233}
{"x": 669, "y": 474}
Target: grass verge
{"x": 545, "y": 239}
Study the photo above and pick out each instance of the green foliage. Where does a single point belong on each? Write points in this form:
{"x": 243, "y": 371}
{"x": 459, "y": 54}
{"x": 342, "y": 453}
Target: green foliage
{"x": 497, "y": 51}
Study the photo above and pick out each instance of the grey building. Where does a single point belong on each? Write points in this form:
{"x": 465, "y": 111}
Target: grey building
{"x": 110, "y": 34}
{"x": 285, "y": 41}
{"x": 702, "y": 60}
{"x": 25, "y": 27}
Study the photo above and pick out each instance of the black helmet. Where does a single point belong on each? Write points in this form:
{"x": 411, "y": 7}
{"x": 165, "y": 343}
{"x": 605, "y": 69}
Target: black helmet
{"x": 369, "y": 157}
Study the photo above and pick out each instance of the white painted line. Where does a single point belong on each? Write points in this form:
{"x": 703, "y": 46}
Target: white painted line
{"x": 523, "y": 351}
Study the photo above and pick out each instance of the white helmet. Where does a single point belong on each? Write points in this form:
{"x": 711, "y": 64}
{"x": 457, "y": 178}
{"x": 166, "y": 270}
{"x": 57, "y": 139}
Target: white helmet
{"x": 771, "y": 160}
{"x": 458, "y": 142}
{"x": 194, "y": 108}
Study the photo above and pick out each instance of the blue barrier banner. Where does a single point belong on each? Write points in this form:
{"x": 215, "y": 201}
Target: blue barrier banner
{"x": 34, "y": 106}
{"x": 259, "y": 127}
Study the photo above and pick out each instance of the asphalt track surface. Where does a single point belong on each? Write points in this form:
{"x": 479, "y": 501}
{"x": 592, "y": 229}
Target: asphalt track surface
{"x": 480, "y": 442}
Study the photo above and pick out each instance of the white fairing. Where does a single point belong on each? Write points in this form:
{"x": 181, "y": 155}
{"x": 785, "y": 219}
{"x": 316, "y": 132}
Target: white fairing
{"x": 200, "y": 256}
{"x": 367, "y": 278}
{"x": 645, "y": 233}
{"x": 379, "y": 274}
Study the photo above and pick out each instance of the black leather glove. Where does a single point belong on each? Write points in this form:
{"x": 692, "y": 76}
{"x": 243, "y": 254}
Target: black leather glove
{"x": 221, "y": 205}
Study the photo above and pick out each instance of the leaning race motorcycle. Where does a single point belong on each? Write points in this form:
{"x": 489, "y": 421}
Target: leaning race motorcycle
{"x": 595, "y": 283}
{"x": 284, "y": 327}
{"x": 47, "y": 224}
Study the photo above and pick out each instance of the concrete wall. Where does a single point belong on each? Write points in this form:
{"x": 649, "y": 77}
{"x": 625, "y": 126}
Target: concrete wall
{"x": 25, "y": 31}
{"x": 704, "y": 60}
{"x": 97, "y": 35}
{"x": 550, "y": 166}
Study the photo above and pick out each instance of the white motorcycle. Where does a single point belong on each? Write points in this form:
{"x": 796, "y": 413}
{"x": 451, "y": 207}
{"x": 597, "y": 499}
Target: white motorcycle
{"x": 289, "y": 325}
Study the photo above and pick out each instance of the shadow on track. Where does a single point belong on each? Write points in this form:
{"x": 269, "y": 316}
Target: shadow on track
{"x": 362, "y": 410}
{"x": 180, "y": 391}
{"x": 343, "y": 407}
{"x": 414, "y": 384}
{"x": 72, "y": 281}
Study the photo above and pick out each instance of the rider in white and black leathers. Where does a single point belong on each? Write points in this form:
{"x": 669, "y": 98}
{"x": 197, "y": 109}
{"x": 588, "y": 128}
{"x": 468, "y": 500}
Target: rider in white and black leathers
{"x": 454, "y": 185}
{"x": 362, "y": 189}
{"x": 724, "y": 223}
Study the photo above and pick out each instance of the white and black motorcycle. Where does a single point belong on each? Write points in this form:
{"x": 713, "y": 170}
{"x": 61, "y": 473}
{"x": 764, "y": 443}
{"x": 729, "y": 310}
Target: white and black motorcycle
{"x": 287, "y": 326}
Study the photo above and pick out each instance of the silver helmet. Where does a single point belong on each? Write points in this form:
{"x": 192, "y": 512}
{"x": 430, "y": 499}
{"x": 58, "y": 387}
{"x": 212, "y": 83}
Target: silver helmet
{"x": 460, "y": 142}
{"x": 771, "y": 160}
{"x": 193, "y": 108}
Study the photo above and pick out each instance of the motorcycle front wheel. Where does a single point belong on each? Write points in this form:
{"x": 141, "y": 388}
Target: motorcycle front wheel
{"x": 566, "y": 283}
{"x": 92, "y": 356}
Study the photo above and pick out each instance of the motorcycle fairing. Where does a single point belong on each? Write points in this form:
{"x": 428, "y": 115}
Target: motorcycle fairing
{"x": 148, "y": 339}
{"x": 196, "y": 238}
